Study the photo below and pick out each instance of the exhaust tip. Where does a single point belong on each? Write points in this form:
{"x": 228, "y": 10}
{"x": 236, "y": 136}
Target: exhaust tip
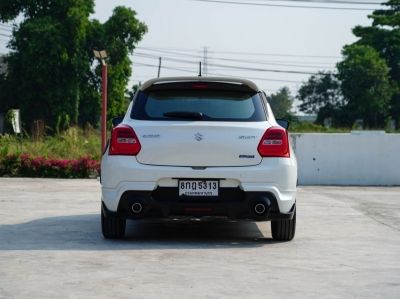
{"x": 137, "y": 208}
{"x": 259, "y": 208}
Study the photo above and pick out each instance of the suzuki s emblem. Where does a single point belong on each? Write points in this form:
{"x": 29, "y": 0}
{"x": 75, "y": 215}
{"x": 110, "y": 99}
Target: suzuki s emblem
{"x": 198, "y": 136}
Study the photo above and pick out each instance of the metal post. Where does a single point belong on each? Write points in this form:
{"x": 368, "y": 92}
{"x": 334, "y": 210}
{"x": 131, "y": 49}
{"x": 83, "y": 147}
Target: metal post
{"x": 103, "y": 106}
{"x": 159, "y": 67}
{"x": 199, "y": 68}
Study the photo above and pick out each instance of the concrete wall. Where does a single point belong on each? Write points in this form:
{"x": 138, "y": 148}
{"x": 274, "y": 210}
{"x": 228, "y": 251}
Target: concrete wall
{"x": 357, "y": 158}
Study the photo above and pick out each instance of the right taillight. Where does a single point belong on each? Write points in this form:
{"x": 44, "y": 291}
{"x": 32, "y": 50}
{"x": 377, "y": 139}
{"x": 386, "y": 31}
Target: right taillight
{"x": 274, "y": 143}
{"x": 124, "y": 141}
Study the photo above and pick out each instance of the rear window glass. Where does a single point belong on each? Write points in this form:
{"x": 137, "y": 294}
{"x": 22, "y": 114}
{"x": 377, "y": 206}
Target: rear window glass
{"x": 213, "y": 105}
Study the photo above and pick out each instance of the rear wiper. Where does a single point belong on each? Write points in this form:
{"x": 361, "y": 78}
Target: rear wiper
{"x": 190, "y": 115}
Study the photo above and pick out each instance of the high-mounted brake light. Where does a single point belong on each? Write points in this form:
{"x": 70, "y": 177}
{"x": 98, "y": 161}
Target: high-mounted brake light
{"x": 274, "y": 143}
{"x": 124, "y": 141}
{"x": 199, "y": 86}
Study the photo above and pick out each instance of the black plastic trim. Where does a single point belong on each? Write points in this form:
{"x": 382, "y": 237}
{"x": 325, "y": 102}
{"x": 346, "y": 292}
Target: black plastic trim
{"x": 232, "y": 203}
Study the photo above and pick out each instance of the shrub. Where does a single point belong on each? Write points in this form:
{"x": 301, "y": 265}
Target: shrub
{"x": 10, "y": 165}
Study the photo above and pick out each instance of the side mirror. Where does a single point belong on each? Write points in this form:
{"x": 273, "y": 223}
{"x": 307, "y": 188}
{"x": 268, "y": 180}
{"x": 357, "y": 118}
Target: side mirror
{"x": 116, "y": 121}
{"x": 283, "y": 123}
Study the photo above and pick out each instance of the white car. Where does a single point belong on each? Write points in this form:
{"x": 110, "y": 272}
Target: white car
{"x": 199, "y": 147}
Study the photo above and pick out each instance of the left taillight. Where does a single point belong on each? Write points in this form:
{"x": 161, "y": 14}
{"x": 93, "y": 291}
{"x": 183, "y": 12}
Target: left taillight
{"x": 124, "y": 141}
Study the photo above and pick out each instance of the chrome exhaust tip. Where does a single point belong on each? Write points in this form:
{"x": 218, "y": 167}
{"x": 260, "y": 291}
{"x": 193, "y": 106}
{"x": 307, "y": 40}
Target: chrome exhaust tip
{"x": 137, "y": 208}
{"x": 259, "y": 208}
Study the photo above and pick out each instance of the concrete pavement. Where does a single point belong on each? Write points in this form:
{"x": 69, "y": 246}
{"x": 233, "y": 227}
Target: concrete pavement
{"x": 347, "y": 244}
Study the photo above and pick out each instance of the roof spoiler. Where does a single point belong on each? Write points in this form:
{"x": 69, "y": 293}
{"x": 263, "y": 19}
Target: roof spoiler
{"x": 187, "y": 82}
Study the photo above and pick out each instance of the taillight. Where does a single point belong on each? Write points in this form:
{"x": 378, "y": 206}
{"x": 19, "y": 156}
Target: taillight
{"x": 274, "y": 143}
{"x": 124, "y": 141}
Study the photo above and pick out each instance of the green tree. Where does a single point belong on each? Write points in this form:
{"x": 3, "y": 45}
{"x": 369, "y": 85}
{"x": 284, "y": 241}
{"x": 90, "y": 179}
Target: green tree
{"x": 50, "y": 68}
{"x": 118, "y": 35}
{"x": 321, "y": 95}
{"x": 384, "y": 36}
{"x": 281, "y": 102}
{"x": 365, "y": 82}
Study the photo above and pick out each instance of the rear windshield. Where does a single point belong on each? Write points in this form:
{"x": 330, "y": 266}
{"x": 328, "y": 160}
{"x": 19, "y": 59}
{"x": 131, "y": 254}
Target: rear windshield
{"x": 210, "y": 105}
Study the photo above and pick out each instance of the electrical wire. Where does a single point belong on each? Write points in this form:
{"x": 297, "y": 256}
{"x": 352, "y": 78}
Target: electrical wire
{"x": 257, "y": 62}
{"x": 306, "y": 64}
{"x": 165, "y": 67}
{"x": 256, "y": 78}
{"x": 326, "y": 1}
{"x": 215, "y": 74}
{"x": 241, "y": 53}
{"x": 231, "y": 66}
{"x": 240, "y": 60}
{"x": 283, "y": 5}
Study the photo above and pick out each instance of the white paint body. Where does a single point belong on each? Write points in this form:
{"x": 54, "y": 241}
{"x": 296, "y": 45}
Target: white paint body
{"x": 170, "y": 152}
{"x": 357, "y": 158}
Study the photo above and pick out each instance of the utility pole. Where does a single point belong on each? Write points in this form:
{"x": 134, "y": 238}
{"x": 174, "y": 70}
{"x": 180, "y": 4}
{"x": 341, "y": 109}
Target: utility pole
{"x": 205, "y": 62}
{"x": 159, "y": 67}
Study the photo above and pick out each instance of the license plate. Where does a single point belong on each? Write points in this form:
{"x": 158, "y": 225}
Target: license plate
{"x": 198, "y": 188}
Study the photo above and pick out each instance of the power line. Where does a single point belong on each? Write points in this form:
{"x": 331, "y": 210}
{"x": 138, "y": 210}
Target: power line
{"x": 214, "y": 74}
{"x": 266, "y": 63}
{"x": 257, "y": 78}
{"x": 165, "y": 67}
{"x": 249, "y": 61}
{"x": 327, "y": 1}
{"x": 168, "y": 50}
{"x": 173, "y": 49}
{"x": 231, "y": 66}
{"x": 257, "y": 61}
{"x": 283, "y": 5}
{"x": 278, "y": 54}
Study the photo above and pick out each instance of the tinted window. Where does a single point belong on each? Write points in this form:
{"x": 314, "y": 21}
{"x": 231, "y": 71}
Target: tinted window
{"x": 214, "y": 105}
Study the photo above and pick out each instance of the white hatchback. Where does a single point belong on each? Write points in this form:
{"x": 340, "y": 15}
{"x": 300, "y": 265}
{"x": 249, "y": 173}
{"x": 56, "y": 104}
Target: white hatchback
{"x": 199, "y": 147}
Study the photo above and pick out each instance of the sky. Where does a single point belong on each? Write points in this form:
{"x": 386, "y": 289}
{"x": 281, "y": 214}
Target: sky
{"x": 265, "y": 39}
{"x": 296, "y": 33}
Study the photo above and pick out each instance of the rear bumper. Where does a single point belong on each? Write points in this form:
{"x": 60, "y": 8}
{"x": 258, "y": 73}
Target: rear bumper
{"x": 276, "y": 177}
{"x": 232, "y": 203}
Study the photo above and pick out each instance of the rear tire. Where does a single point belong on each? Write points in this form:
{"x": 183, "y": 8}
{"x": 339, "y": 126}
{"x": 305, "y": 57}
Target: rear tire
{"x": 284, "y": 230}
{"x": 112, "y": 226}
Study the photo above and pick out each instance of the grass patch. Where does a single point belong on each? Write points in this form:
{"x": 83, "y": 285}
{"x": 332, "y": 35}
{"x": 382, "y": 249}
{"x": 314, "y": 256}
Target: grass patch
{"x": 74, "y": 143}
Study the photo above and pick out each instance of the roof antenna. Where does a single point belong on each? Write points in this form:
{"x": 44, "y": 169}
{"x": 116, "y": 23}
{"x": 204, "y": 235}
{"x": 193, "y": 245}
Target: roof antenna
{"x": 199, "y": 68}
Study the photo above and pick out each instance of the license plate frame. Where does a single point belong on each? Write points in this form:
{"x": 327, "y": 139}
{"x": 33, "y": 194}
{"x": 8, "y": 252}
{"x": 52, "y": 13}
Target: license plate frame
{"x": 198, "y": 188}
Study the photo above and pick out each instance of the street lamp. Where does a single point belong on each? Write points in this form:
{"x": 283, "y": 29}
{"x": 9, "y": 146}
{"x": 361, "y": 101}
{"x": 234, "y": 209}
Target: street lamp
{"x": 102, "y": 55}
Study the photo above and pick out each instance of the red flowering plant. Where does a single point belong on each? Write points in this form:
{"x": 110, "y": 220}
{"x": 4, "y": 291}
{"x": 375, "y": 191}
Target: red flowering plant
{"x": 26, "y": 166}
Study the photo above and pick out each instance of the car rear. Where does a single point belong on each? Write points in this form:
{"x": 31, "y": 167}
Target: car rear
{"x": 198, "y": 147}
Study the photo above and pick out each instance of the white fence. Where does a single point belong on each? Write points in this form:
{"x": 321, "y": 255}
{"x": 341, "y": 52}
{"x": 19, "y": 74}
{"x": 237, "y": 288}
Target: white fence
{"x": 357, "y": 158}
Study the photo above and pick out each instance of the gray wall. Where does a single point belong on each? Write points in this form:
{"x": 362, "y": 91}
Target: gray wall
{"x": 357, "y": 158}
